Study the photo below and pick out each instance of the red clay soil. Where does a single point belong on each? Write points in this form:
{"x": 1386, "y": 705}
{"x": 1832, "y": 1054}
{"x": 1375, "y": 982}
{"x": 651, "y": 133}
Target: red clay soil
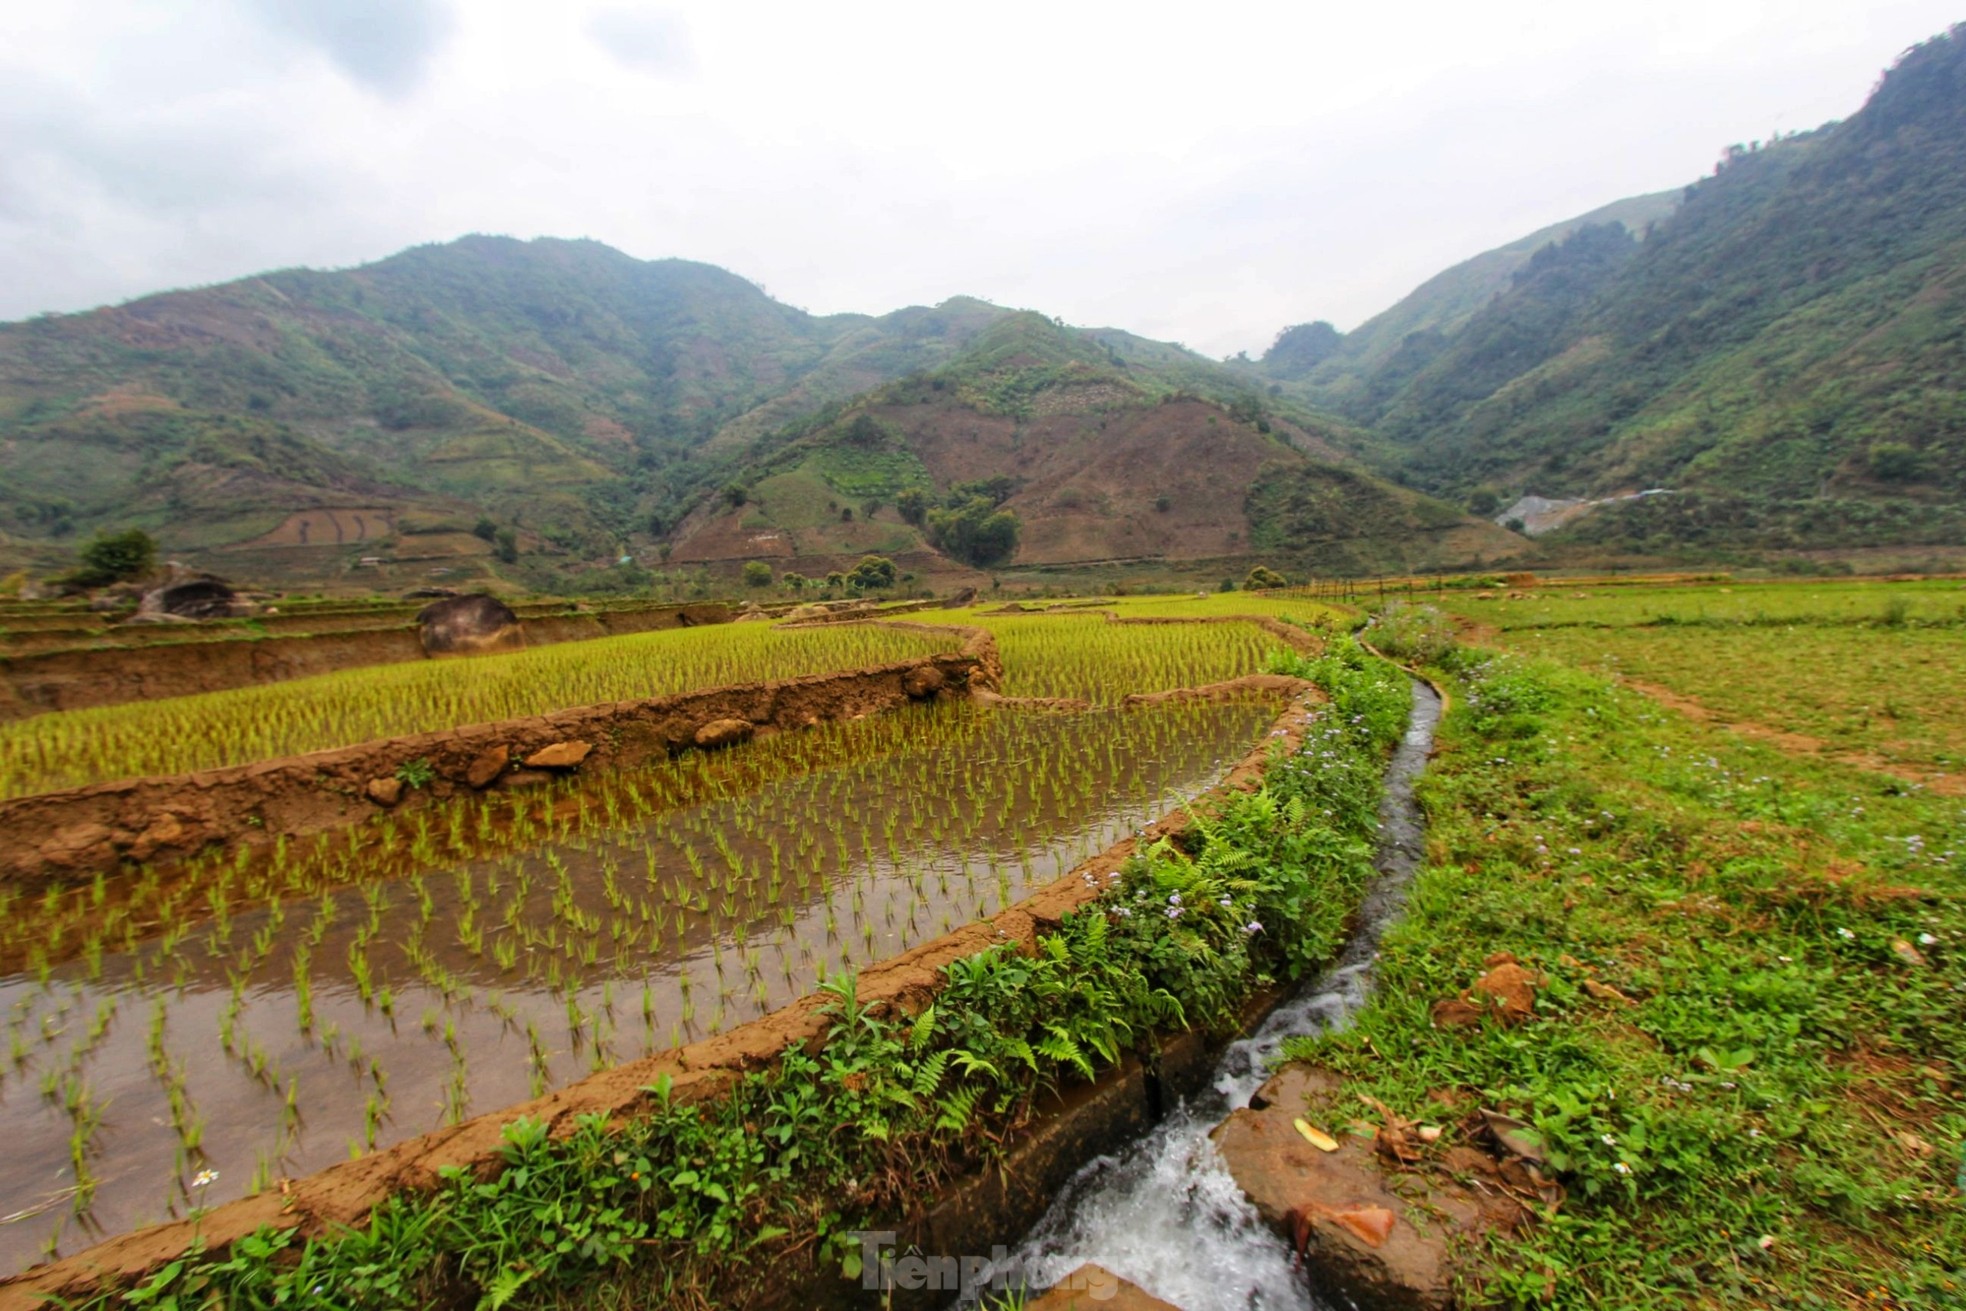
{"x": 35, "y": 683}
{"x": 345, "y": 1194}
{"x": 80, "y": 831}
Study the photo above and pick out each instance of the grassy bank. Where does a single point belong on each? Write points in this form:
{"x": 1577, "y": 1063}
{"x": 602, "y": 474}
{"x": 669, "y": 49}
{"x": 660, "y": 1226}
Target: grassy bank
{"x": 1746, "y": 1062}
{"x": 700, "y": 1205}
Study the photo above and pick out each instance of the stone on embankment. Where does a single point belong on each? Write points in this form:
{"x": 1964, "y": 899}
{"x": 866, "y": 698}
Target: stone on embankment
{"x": 1095, "y": 1288}
{"x": 385, "y": 791}
{"x": 561, "y": 755}
{"x": 724, "y": 732}
{"x": 487, "y": 765}
{"x": 1505, "y": 993}
{"x": 923, "y": 681}
{"x": 191, "y": 598}
{"x": 1381, "y": 1249}
{"x": 469, "y": 625}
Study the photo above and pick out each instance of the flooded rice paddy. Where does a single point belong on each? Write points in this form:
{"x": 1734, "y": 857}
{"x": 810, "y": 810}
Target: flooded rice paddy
{"x": 178, "y": 1040}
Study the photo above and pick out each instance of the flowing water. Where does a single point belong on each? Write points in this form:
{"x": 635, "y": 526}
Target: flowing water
{"x": 1165, "y": 1214}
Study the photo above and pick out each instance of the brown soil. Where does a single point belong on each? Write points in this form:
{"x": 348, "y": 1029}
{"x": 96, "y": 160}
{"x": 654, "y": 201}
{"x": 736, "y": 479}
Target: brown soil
{"x": 76, "y": 679}
{"x": 84, "y": 830}
{"x": 345, "y": 1194}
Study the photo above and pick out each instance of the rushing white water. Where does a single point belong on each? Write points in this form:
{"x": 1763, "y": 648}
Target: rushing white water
{"x": 1164, "y": 1213}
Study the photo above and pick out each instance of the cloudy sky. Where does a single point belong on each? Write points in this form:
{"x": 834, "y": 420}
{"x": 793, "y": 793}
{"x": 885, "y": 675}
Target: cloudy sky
{"x": 1203, "y": 173}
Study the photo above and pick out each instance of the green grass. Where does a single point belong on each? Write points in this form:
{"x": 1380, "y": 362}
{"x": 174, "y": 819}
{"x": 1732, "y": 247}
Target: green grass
{"x": 1556, "y": 604}
{"x": 1869, "y": 668}
{"x": 1774, "y": 1117}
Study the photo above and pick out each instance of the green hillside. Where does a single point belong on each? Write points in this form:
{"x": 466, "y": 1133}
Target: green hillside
{"x": 1790, "y": 341}
{"x": 1041, "y": 445}
{"x": 1335, "y": 363}
{"x": 560, "y": 387}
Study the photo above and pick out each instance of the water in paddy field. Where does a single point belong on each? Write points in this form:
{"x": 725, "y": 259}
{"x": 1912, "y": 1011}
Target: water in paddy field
{"x": 468, "y": 958}
{"x": 1165, "y": 1213}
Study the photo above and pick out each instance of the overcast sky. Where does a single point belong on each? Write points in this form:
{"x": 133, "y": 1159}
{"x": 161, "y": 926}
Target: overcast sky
{"x": 1203, "y": 173}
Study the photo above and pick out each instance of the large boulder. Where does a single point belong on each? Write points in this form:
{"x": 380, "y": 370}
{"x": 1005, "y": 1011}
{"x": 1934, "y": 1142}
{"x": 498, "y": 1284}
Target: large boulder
{"x": 1376, "y": 1218}
{"x": 469, "y": 625}
{"x": 193, "y": 598}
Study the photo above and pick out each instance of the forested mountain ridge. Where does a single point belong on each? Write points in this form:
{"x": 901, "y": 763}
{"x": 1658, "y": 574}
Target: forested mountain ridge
{"x": 1792, "y": 335}
{"x": 565, "y": 403}
{"x": 558, "y": 383}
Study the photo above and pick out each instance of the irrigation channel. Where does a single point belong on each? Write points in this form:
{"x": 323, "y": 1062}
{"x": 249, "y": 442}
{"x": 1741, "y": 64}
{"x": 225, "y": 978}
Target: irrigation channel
{"x": 287, "y": 1012}
{"x": 1165, "y": 1214}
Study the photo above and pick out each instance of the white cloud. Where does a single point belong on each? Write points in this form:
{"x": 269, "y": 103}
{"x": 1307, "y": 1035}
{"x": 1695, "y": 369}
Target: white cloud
{"x": 383, "y": 44}
{"x": 653, "y": 40}
{"x": 1201, "y": 174}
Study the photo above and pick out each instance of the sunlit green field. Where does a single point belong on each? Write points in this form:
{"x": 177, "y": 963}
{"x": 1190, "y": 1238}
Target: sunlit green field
{"x": 180, "y": 734}
{"x": 1553, "y": 604}
{"x": 1866, "y": 668}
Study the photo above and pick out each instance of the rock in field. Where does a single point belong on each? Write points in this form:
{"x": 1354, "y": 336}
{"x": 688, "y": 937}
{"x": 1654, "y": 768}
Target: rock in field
{"x": 469, "y": 625}
{"x": 724, "y": 732}
{"x": 1093, "y": 1287}
{"x": 923, "y": 681}
{"x": 561, "y": 755}
{"x": 487, "y": 765}
{"x": 385, "y": 791}
{"x": 1362, "y": 1241}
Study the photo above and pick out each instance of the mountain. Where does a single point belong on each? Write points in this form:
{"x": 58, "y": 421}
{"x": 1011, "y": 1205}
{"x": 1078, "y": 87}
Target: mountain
{"x": 584, "y": 402}
{"x": 1787, "y": 347}
{"x": 1443, "y": 304}
{"x": 1102, "y": 448}
{"x": 552, "y": 384}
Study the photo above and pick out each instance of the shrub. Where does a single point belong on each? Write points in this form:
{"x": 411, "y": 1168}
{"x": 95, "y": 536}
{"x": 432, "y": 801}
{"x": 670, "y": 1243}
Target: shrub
{"x": 757, "y": 573}
{"x": 114, "y": 557}
{"x": 1263, "y": 576}
{"x": 1417, "y": 634}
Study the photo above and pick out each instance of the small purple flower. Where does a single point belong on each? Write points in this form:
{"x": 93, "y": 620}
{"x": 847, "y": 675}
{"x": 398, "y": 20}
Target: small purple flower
{"x": 1252, "y": 928}
{"x": 1174, "y": 912}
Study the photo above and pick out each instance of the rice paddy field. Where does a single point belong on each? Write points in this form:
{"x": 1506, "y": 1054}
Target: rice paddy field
{"x": 177, "y": 1037}
{"x": 1865, "y": 670}
{"x": 180, "y": 734}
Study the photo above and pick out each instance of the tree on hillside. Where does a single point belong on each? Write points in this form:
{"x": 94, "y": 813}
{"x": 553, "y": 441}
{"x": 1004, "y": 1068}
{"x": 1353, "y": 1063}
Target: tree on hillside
{"x": 113, "y": 557}
{"x": 913, "y": 506}
{"x": 1263, "y": 576}
{"x": 874, "y": 573}
{"x": 975, "y": 532}
{"x": 757, "y": 573}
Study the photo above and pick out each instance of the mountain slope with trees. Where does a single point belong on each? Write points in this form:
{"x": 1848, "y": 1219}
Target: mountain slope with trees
{"x": 1790, "y": 344}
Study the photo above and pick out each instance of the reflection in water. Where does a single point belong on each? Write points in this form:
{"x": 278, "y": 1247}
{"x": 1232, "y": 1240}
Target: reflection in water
{"x": 537, "y": 938}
